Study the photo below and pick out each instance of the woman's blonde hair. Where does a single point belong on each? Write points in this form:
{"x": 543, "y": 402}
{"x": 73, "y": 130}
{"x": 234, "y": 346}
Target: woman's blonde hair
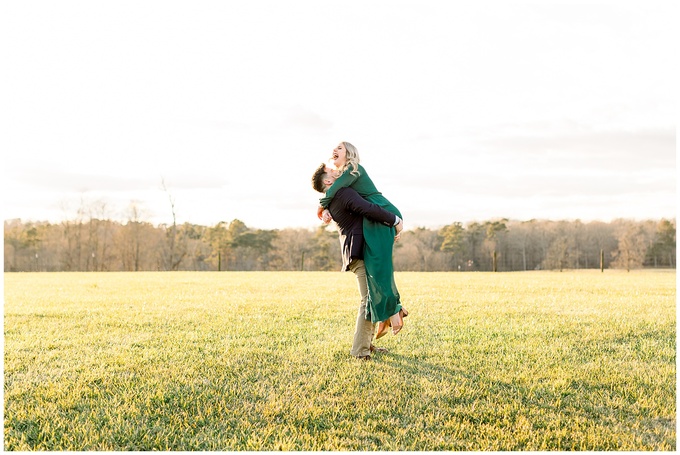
{"x": 351, "y": 159}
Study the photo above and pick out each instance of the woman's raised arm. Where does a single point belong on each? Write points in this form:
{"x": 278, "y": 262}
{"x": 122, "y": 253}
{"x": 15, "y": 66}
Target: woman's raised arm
{"x": 346, "y": 179}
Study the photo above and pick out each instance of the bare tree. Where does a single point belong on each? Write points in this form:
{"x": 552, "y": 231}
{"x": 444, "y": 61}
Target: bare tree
{"x": 632, "y": 247}
{"x": 130, "y": 239}
{"x": 73, "y": 232}
{"x": 419, "y": 250}
{"x": 290, "y": 249}
{"x": 173, "y": 256}
{"x": 562, "y": 252}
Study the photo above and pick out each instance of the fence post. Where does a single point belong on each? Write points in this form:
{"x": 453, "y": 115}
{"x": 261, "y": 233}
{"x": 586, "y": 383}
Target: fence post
{"x": 495, "y": 268}
{"x": 602, "y": 261}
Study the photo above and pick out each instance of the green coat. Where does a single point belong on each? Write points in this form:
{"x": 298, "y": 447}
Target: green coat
{"x": 383, "y": 297}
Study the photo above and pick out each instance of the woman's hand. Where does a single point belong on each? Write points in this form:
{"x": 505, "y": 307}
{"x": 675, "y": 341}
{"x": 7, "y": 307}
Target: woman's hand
{"x": 326, "y": 216}
{"x": 399, "y": 227}
{"x": 319, "y": 212}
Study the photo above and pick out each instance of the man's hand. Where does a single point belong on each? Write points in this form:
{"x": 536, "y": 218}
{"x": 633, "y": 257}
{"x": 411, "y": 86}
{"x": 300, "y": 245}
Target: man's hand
{"x": 319, "y": 212}
{"x": 399, "y": 227}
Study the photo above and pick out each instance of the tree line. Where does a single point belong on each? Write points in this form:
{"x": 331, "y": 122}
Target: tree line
{"x": 89, "y": 243}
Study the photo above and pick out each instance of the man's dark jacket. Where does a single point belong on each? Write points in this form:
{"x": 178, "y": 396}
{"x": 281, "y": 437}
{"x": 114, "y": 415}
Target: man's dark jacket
{"x": 348, "y": 209}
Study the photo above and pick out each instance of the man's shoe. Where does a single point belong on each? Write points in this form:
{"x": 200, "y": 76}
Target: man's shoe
{"x": 363, "y": 357}
{"x": 376, "y": 349}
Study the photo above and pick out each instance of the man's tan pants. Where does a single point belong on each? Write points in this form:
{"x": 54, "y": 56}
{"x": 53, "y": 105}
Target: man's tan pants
{"x": 363, "y": 332}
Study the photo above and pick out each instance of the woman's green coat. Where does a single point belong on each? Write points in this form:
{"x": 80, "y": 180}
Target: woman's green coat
{"x": 383, "y": 297}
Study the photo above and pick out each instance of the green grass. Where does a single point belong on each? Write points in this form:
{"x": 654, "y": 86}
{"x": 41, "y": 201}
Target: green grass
{"x": 260, "y": 361}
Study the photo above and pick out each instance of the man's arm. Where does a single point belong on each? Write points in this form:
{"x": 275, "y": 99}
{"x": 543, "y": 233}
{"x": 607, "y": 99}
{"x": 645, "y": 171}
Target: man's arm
{"x": 357, "y": 204}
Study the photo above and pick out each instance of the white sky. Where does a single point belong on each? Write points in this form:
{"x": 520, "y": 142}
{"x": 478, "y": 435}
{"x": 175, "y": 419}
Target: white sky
{"x": 461, "y": 110}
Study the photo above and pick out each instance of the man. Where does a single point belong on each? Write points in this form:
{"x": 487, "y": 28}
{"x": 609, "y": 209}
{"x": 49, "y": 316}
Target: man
{"x": 348, "y": 209}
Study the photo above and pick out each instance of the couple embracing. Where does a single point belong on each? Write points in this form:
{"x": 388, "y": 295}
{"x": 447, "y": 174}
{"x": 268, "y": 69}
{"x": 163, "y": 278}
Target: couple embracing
{"x": 368, "y": 225}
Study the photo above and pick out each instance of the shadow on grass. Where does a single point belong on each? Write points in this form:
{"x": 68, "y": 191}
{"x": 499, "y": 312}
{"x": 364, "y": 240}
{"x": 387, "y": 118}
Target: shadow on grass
{"x": 417, "y": 366}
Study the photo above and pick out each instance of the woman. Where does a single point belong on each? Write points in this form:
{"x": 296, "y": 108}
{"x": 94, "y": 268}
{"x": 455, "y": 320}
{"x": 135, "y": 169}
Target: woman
{"x": 384, "y": 304}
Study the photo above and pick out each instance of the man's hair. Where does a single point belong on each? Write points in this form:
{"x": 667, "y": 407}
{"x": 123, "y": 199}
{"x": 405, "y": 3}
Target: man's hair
{"x": 317, "y": 178}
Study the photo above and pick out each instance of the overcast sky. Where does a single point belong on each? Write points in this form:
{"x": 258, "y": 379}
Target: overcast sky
{"x": 460, "y": 110}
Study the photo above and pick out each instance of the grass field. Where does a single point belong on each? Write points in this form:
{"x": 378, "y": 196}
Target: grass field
{"x": 260, "y": 361}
